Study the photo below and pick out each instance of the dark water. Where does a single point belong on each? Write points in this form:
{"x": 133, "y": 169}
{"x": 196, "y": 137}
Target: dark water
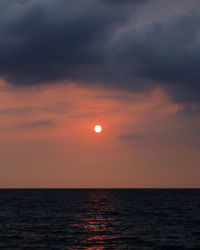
{"x": 100, "y": 218}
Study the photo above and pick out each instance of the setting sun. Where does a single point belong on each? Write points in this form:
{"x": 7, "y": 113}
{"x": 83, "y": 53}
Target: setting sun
{"x": 98, "y": 128}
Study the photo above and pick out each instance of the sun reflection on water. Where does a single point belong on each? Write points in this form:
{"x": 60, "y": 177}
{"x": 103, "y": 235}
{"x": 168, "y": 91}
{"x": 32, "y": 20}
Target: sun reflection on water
{"x": 97, "y": 222}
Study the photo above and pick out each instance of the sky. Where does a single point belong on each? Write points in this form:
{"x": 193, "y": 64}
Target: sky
{"x": 131, "y": 66}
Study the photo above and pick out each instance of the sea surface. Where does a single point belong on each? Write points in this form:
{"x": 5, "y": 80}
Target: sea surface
{"x": 100, "y": 219}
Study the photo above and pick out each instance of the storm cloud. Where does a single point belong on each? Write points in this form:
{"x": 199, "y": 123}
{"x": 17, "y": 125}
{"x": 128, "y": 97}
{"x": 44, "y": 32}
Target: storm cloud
{"x": 100, "y": 42}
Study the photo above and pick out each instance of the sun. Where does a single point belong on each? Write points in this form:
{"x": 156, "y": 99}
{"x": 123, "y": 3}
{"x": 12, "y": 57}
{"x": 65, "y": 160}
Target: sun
{"x": 98, "y": 129}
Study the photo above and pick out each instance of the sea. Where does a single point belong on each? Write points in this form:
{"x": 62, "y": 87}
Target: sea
{"x": 100, "y": 219}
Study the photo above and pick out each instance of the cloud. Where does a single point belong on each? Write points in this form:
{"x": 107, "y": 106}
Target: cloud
{"x": 99, "y": 42}
{"x": 52, "y": 40}
{"x": 17, "y": 111}
{"x": 129, "y": 137}
{"x": 119, "y": 98}
{"x": 57, "y": 108}
{"x": 28, "y": 125}
{"x": 167, "y": 55}
{"x": 84, "y": 115}
{"x": 189, "y": 110}
{"x": 36, "y": 124}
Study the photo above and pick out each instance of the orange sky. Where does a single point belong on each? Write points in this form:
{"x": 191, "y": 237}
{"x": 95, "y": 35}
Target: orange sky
{"x": 47, "y": 138}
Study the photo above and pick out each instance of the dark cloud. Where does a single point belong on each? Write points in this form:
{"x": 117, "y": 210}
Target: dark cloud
{"x": 167, "y": 54}
{"x": 97, "y": 42}
{"x": 123, "y": 1}
{"x": 46, "y": 41}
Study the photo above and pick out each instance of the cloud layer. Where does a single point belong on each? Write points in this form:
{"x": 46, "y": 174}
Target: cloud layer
{"x": 101, "y": 42}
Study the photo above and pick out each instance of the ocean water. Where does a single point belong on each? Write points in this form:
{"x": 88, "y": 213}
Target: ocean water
{"x": 100, "y": 219}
